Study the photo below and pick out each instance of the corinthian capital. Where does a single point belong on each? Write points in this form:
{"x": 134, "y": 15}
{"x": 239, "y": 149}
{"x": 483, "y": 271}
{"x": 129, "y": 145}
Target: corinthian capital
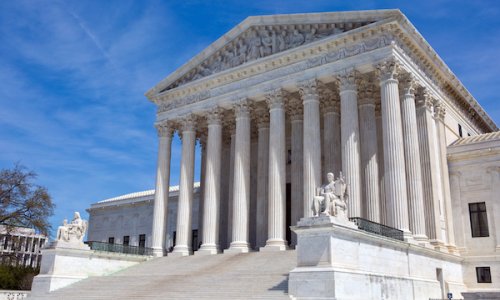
{"x": 274, "y": 98}
{"x": 308, "y": 89}
{"x": 295, "y": 108}
{"x": 366, "y": 92}
{"x": 348, "y": 80}
{"x": 439, "y": 110}
{"x": 164, "y": 129}
{"x": 214, "y": 116}
{"x": 423, "y": 99}
{"x": 242, "y": 108}
{"x": 188, "y": 123}
{"x": 261, "y": 116}
{"x": 388, "y": 70}
{"x": 408, "y": 84}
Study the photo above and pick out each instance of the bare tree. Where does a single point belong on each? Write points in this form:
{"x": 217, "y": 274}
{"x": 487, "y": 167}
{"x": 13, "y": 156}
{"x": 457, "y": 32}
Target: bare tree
{"x": 23, "y": 203}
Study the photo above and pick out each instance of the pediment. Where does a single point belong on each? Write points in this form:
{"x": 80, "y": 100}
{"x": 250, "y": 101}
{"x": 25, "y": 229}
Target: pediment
{"x": 262, "y": 36}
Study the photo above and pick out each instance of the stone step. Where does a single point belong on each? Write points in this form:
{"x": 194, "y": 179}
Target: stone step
{"x": 253, "y": 275}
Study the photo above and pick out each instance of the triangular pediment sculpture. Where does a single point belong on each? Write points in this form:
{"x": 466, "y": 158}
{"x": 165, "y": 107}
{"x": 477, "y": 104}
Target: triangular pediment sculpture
{"x": 259, "y": 37}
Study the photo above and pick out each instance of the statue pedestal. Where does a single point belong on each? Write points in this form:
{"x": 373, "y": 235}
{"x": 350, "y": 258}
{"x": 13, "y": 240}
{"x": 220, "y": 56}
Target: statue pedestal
{"x": 60, "y": 267}
{"x": 335, "y": 260}
{"x": 68, "y": 262}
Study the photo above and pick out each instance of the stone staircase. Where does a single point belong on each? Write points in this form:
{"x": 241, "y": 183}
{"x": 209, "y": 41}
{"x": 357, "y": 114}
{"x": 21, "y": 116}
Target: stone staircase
{"x": 256, "y": 275}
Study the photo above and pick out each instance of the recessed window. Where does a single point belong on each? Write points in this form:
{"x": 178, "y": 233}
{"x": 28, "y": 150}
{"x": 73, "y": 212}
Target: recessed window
{"x": 483, "y": 274}
{"x": 6, "y": 242}
{"x": 126, "y": 240}
{"x": 478, "y": 219}
{"x": 460, "y": 133}
{"x": 142, "y": 240}
{"x": 111, "y": 240}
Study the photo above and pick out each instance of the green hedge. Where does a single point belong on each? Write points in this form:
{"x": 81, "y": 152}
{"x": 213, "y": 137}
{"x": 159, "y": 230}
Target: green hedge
{"x": 17, "y": 278}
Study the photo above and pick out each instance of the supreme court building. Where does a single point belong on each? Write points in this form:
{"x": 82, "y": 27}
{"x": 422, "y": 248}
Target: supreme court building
{"x": 280, "y": 101}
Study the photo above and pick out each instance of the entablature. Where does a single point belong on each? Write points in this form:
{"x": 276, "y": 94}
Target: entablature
{"x": 360, "y": 43}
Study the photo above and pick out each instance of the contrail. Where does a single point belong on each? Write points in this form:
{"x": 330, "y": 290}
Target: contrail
{"x": 88, "y": 33}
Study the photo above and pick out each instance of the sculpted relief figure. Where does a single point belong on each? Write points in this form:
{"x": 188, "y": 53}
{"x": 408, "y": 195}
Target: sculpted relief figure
{"x": 331, "y": 199}
{"x": 260, "y": 42}
{"x": 267, "y": 44}
{"x": 282, "y": 41}
{"x": 242, "y": 51}
{"x": 74, "y": 231}
{"x": 296, "y": 39}
{"x": 255, "y": 46}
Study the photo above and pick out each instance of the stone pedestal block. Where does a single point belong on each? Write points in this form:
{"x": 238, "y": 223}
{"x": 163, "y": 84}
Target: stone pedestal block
{"x": 63, "y": 266}
{"x": 335, "y": 260}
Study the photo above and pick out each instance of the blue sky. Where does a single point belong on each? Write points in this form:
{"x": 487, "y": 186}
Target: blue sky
{"x": 73, "y": 75}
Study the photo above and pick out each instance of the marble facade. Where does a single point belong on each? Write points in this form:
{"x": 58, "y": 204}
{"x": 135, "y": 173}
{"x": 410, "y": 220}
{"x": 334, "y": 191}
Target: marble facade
{"x": 360, "y": 92}
{"x": 280, "y": 101}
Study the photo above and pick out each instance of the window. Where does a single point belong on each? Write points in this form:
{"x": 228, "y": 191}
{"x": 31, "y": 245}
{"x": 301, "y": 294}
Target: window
{"x": 460, "y": 133}
{"x": 26, "y": 246}
{"x": 6, "y": 242}
{"x": 478, "y": 219}
{"x": 468, "y": 134}
{"x": 111, "y": 240}
{"x": 483, "y": 274}
{"x": 142, "y": 240}
{"x": 126, "y": 240}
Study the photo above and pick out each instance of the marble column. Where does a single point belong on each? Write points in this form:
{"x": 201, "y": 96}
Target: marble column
{"x": 159, "y": 229}
{"x": 327, "y": 101}
{"x": 241, "y": 181}
{"x": 395, "y": 177}
{"x": 212, "y": 184}
{"x": 186, "y": 184}
{"x": 350, "y": 140}
{"x": 439, "y": 115}
{"x": 428, "y": 165}
{"x": 277, "y": 173}
{"x": 296, "y": 113}
{"x": 380, "y": 157}
{"x": 201, "y": 200}
{"x": 312, "y": 143}
{"x": 412, "y": 156}
{"x": 369, "y": 152}
{"x": 232, "y": 129}
{"x": 262, "y": 118}
{"x": 224, "y": 189}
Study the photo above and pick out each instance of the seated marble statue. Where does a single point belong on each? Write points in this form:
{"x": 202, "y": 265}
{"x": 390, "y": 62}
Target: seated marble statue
{"x": 339, "y": 205}
{"x": 321, "y": 203}
{"x": 74, "y": 231}
{"x": 331, "y": 198}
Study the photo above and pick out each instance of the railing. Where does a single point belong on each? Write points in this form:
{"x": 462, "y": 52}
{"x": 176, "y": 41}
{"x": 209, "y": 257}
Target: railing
{"x": 118, "y": 248}
{"x": 376, "y": 228}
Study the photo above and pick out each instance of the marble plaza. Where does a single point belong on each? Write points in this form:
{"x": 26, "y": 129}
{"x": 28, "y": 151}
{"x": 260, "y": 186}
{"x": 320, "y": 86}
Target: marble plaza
{"x": 278, "y": 103}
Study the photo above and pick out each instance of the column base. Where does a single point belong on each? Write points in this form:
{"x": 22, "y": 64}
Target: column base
{"x": 274, "y": 245}
{"x": 238, "y": 247}
{"x": 407, "y": 236}
{"x": 158, "y": 252}
{"x": 438, "y": 245}
{"x": 181, "y": 251}
{"x": 208, "y": 250}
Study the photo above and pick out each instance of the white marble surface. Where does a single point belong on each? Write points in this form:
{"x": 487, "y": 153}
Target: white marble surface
{"x": 333, "y": 261}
